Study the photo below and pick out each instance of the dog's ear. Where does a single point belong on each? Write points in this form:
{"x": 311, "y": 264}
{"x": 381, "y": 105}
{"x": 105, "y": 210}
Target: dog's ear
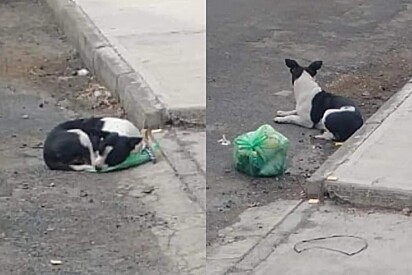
{"x": 291, "y": 63}
{"x": 316, "y": 65}
{"x": 134, "y": 141}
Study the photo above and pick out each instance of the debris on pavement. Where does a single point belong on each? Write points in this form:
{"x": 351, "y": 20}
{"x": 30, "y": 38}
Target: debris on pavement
{"x": 332, "y": 178}
{"x": 253, "y": 204}
{"x": 83, "y": 193}
{"x": 82, "y": 72}
{"x": 25, "y": 116}
{"x": 223, "y": 141}
{"x": 56, "y": 262}
{"x": 148, "y": 189}
{"x": 406, "y": 211}
{"x": 313, "y": 201}
{"x": 98, "y": 96}
{"x": 338, "y": 143}
{"x": 284, "y": 93}
{"x": 298, "y": 247}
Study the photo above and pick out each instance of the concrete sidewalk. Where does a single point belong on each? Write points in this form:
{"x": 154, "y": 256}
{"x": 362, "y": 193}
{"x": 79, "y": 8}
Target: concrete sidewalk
{"x": 387, "y": 250}
{"x": 373, "y": 167}
{"x": 263, "y": 242}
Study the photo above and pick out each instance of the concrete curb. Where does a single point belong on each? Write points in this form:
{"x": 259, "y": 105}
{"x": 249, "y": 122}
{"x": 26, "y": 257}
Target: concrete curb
{"x": 140, "y": 103}
{"x": 318, "y": 183}
{"x": 245, "y": 244}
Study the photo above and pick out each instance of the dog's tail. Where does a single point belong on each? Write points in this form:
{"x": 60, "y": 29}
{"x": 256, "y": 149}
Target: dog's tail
{"x": 151, "y": 142}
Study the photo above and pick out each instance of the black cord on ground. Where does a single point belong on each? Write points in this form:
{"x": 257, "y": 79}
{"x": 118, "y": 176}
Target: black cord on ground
{"x": 295, "y": 247}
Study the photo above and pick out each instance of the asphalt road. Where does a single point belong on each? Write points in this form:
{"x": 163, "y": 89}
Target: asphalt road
{"x": 83, "y": 220}
{"x": 366, "y": 49}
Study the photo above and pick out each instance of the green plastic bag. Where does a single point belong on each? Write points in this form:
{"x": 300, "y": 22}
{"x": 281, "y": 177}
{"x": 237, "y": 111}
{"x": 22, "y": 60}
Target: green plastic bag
{"x": 261, "y": 153}
{"x": 134, "y": 159}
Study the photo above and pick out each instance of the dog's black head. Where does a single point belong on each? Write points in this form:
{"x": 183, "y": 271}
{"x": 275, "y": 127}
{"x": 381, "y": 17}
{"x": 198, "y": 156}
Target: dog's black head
{"x": 114, "y": 149}
{"x": 296, "y": 70}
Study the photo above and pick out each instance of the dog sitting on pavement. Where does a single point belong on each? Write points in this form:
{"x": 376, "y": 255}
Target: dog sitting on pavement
{"x": 93, "y": 143}
{"x": 337, "y": 116}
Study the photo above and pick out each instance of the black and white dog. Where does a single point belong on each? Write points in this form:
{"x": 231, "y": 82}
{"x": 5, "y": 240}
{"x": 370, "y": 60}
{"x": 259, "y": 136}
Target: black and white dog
{"x": 93, "y": 143}
{"x": 338, "y": 116}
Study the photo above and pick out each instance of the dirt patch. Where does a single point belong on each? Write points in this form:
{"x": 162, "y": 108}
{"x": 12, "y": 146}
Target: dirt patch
{"x": 35, "y": 54}
{"x": 376, "y": 82}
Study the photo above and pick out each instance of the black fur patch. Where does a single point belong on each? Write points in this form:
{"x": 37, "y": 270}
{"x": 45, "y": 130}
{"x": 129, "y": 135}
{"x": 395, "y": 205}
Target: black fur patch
{"x": 343, "y": 124}
{"x": 323, "y": 101}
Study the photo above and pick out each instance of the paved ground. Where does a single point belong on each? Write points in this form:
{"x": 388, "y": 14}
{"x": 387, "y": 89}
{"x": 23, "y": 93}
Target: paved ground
{"x": 264, "y": 239}
{"x": 163, "y": 41}
{"x": 384, "y": 234}
{"x": 247, "y": 44}
{"x": 140, "y": 221}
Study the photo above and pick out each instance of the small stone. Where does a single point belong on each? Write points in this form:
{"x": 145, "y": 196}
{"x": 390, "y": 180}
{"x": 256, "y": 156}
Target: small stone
{"x": 148, "y": 189}
{"x": 83, "y": 193}
{"x": 25, "y": 116}
{"x": 52, "y": 184}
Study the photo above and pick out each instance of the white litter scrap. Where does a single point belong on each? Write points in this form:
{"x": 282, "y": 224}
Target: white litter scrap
{"x": 313, "y": 201}
{"x": 332, "y": 178}
{"x": 82, "y": 72}
{"x": 223, "y": 141}
{"x": 56, "y": 262}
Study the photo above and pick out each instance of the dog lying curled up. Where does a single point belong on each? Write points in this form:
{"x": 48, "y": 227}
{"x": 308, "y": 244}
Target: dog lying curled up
{"x": 338, "y": 116}
{"x": 84, "y": 144}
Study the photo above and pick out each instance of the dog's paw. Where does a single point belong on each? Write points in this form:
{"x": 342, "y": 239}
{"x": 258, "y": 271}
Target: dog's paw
{"x": 278, "y": 119}
{"x": 280, "y": 113}
{"x": 325, "y": 136}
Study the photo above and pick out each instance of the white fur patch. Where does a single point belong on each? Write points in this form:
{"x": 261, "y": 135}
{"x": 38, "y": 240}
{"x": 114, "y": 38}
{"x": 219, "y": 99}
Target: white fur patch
{"x": 331, "y": 111}
{"x": 305, "y": 88}
{"x": 81, "y": 167}
{"x": 121, "y": 126}
{"x": 101, "y": 159}
{"x": 326, "y": 136}
{"x": 85, "y": 141}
